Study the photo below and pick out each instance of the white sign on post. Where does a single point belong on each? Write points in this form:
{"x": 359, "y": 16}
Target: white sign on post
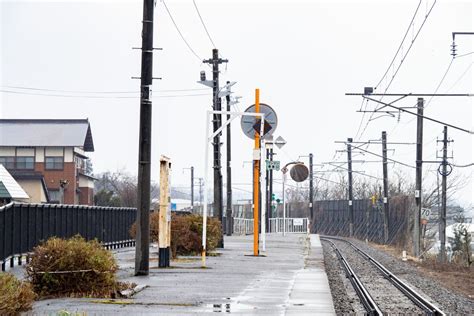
{"x": 297, "y": 222}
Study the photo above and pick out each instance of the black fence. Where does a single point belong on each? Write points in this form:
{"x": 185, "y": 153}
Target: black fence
{"x": 331, "y": 217}
{"x": 23, "y": 226}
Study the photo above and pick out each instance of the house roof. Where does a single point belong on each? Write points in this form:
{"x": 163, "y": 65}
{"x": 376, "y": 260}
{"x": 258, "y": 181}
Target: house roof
{"x": 9, "y": 188}
{"x": 48, "y": 133}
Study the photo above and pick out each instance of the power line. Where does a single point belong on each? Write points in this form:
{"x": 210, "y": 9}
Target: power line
{"x": 409, "y": 47}
{"x": 392, "y": 160}
{"x": 97, "y": 92}
{"x": 203, "y": 24}
{"x": 101, "y": 97}
{"x": 400, "y": 46}
{"x": 180, "y": 34}
{"x": 463, "y": 166}
{"x": 388, "y": 69}
{"x": 467, "y": 54}
{"x": 402, "y": 61}
{"x": 441, "y": 82}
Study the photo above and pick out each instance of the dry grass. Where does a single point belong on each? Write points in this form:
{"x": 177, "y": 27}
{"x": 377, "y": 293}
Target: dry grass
{"x": 73, "y": 267}
{"x": 15, "y": 296}
{"x": 186, "y": 233}
{"x": 455, "y": 277}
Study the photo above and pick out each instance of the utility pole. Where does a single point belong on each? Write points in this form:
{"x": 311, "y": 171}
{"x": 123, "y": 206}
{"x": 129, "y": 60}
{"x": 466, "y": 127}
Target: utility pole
{"x": 386, "y": 208}
{"x": 311, "y": 212}
{"x": 217, "y": 122}
{"x": 419, "y": 171}
{"x": 229, "y": 226}
{"x": 442, "y": 217}
{"x": 192, "y": 188}
{"x": 270, "y": 180}
{"x": 349, "y": 170}
{"x": 268, "y": 200}
{"x": 142, "y": 248}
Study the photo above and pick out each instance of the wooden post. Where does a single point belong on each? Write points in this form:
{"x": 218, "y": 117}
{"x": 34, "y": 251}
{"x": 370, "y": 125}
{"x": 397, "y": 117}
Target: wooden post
{"x": 164, "y": 227}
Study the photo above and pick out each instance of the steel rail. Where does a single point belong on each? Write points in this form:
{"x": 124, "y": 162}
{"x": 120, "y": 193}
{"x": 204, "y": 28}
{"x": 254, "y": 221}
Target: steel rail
{"x": 366, "y": 299}
{"x": 414, "y": 296}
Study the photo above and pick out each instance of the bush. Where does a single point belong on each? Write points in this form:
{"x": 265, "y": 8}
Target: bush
{"x": 72, "y": 267}
{"x": 15, "y": 296}
{"x": 186, "y": 233}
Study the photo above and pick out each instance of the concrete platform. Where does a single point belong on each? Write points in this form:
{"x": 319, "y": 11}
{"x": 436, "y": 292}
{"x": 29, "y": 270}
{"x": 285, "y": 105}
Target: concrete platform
{"x": 289, "y": 280}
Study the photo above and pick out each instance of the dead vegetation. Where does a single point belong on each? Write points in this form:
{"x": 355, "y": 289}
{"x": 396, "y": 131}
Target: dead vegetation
{"x": 186, "y": 233}
{"x": 73, "y": 267}
{"x": 15, "y": 295}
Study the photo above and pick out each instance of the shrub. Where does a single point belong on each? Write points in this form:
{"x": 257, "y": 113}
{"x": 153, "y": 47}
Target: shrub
{"x": 186, "y": 233}
{"x": 72, "y": 267}
{"x": 15, "y": 295}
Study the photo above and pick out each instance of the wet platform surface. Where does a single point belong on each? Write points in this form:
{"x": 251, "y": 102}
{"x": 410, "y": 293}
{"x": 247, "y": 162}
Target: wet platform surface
{"x": 288, "y": 280}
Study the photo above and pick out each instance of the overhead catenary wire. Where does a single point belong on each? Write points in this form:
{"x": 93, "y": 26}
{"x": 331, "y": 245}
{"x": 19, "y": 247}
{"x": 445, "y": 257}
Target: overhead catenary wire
{"x": 390, "y": 159}
{"x": 400, "y": 46}
{"x": 389, "y": 66}
{"x": 402, "y": 61}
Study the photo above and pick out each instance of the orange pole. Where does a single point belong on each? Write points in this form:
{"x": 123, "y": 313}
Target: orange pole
{"x": 256, "y": 179}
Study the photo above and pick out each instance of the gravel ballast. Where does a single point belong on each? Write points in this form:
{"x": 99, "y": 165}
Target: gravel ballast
{"x": 448, "y": 301}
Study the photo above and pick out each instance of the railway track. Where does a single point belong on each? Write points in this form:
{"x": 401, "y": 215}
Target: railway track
{"x": 379, "y": 290}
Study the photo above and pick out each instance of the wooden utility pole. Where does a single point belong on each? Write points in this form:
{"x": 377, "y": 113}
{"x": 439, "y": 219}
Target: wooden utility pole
{"x": 419, "y": 173}
{"x": 256, "y": 180}
{"x": 349, "y": 171}
{"x": 164, "y": 225}
{"x": 142, "y": 248}
{"x": 215, "y": 61}
{"x": 385, "y": 201}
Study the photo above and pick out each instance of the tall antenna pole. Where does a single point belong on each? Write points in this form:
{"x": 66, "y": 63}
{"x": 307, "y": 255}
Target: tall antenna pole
{"x": 142, "y": 249}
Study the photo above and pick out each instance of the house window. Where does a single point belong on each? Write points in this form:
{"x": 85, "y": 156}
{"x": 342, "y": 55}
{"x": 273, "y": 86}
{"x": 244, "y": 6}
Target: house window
{"x": 8, "y": 162}
{"x": 25, "y": 163}
{"x": 54, "y": 163}
{"x": 55, "y": 196}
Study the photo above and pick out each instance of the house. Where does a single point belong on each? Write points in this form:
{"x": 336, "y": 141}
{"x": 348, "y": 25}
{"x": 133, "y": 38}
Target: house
{"x": 49, "y": 156}
{"x": 10, "y": 190}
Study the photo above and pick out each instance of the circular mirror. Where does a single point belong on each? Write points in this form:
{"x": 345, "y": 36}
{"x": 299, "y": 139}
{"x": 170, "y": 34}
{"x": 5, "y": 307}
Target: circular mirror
{"x": 299, "y": 173}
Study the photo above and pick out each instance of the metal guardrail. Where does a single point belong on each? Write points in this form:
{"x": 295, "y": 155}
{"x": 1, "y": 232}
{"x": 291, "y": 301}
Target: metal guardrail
{"x": 292, "y": 225}
{"x": 243, "y": 226}
{"x": 23, "y": 226}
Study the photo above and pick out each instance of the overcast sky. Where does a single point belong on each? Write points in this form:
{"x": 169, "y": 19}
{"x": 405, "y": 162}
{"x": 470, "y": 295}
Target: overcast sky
{"x": 303, "y": 55}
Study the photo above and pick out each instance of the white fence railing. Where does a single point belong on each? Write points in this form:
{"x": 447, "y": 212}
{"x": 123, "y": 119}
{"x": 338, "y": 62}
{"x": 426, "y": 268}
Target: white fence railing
{"x": 243, "y": 226}
{"x": 292, "y": 225}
